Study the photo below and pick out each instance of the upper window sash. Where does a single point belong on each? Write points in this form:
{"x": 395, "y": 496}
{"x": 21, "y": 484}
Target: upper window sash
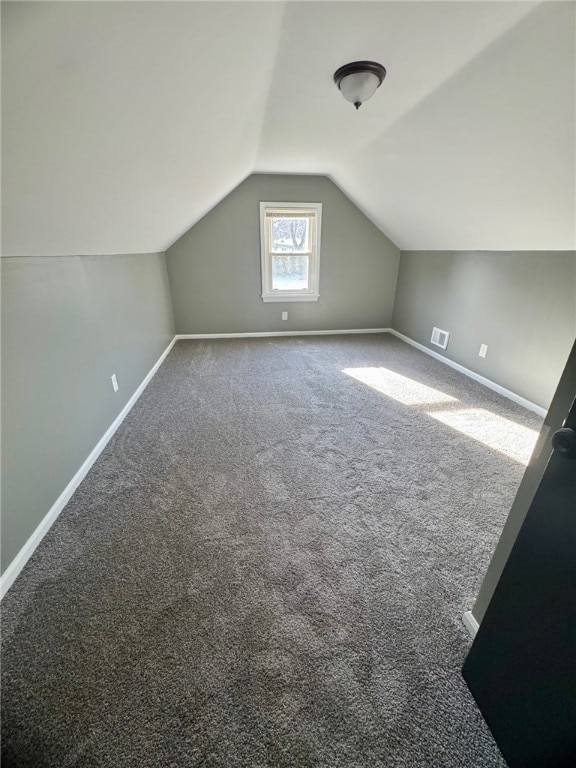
{"x": 310, "y": 217}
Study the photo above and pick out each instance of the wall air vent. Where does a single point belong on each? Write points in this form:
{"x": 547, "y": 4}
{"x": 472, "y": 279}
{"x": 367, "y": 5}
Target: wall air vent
{"x": 440, "y": 337}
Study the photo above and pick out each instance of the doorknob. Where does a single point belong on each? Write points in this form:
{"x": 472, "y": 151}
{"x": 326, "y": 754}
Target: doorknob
{"x": 564, "y": 441}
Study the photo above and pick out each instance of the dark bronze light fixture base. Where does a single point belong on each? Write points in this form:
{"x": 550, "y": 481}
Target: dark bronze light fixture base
{"x": 356, "y": 67}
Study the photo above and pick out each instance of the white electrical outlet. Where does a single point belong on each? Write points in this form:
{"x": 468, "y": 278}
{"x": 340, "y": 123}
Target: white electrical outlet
{"x": 483, "y": 350}
{"x": 284, "y": 315}
{"x": 114, "y": 382}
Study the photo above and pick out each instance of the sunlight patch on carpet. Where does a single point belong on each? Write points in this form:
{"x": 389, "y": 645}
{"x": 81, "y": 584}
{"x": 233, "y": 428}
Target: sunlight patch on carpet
{"x": 398, "y": 387}
{"x": 513, "y": 440}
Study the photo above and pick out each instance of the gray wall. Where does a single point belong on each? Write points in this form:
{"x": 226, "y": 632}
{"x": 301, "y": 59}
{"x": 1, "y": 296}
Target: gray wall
{"x": 521, "y": 304}
{"x": 214, "y": 268}
{"x": 559, "y": 408}
{"x": 68, "y": 324}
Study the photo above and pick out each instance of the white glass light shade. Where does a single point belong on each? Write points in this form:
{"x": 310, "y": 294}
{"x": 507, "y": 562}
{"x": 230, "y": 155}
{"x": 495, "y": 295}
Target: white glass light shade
{"x": 359, "y": 86}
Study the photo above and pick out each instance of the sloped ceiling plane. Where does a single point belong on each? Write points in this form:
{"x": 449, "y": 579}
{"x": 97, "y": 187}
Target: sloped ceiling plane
{"x": 124, "y": 123}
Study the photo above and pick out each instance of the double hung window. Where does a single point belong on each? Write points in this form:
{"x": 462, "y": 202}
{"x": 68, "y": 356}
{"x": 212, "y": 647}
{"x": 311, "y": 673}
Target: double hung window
{"x": 290, "y": 250}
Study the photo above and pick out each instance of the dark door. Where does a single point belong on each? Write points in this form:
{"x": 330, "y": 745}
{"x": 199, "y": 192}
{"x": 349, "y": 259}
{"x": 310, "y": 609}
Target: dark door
{"x": 521, "y": 668}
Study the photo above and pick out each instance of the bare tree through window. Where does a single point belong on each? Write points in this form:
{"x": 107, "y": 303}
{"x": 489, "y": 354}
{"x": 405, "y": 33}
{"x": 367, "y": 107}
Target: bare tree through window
{"x": 289, "y": 234}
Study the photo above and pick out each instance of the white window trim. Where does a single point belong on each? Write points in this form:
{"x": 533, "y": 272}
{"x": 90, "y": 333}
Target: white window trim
{"x": 310, "y": 294}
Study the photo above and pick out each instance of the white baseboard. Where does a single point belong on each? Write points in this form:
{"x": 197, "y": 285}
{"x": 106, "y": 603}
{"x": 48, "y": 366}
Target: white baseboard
{"x": 11, "y": 573}
{"x": 470, "y": 623}
{"x": 476, "y": 376}
{"x": 257, "y": 334}
{"x": 466, "y": 371}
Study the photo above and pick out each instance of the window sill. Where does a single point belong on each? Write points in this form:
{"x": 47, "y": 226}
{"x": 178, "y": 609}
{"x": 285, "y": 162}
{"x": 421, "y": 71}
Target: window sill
{"x": 278, "y": 297}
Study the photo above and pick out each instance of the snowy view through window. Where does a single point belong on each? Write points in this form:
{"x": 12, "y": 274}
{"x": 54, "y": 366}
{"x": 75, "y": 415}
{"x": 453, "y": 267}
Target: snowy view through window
{"x": 290, "y": 249}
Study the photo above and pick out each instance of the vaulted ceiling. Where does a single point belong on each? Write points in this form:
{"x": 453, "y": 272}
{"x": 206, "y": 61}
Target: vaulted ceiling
{"x": 125, "y": 122}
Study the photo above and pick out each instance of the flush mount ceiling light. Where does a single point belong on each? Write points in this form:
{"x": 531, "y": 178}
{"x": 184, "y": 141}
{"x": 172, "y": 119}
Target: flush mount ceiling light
{"x": 359, "y": 80}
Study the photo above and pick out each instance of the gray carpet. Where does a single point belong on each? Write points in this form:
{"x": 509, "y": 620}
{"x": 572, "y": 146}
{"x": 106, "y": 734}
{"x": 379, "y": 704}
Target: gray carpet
{"x": 265, "y": 568}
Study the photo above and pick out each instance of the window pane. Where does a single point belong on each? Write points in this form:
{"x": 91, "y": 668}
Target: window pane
{"x": 290, "y": 234}
{"x": 289, "y": 272}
